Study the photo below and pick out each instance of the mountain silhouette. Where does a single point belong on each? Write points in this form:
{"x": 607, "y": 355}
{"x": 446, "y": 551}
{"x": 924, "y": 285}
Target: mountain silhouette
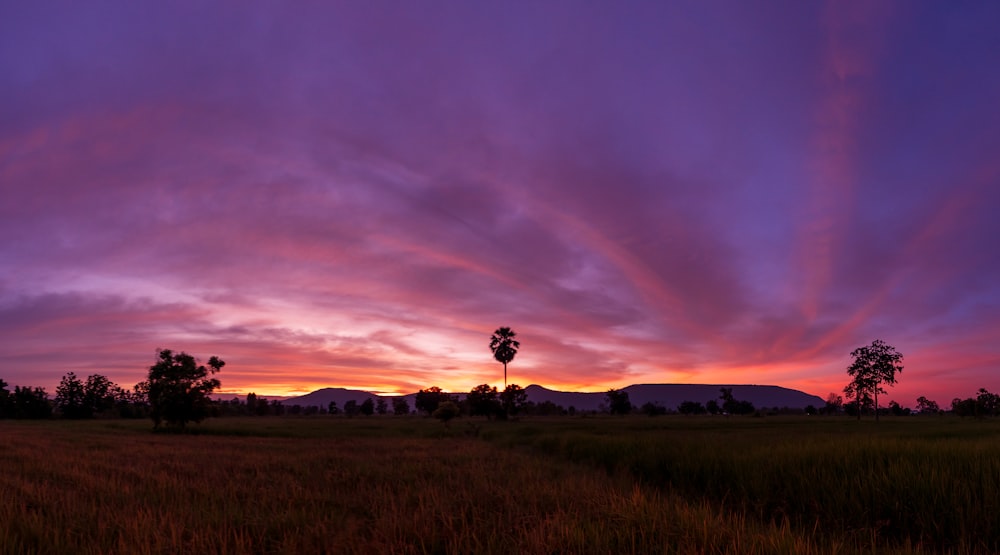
{"x": 666, "y": 395}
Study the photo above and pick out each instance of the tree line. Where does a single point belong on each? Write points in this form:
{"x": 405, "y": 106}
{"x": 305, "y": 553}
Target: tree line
{"x": 178, "y": 391}
{"x": 98, "y": 397}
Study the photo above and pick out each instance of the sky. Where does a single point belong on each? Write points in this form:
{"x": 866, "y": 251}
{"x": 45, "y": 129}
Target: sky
{"x": 356, "y": 194}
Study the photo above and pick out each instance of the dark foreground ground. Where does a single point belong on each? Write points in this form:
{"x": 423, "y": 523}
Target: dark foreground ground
{"x": 548, "y": 485}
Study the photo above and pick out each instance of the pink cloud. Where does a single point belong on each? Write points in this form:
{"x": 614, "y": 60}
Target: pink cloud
{"x": 358, "y": 197}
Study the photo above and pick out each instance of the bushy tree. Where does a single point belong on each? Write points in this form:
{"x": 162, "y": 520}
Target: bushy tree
{"x": 483, "y": 400}
{"x": 140, "y": 393}
{"x": 926, "y": 406}
{"x": 428, "y": 399}
{"x": 691, "y": 407}
{"x": 654, "y": 409}
{"x": 987, "y": 404}
{"x": 179, "y": 388}
{"x": 834, "y": 404}
{"x": 99, "y": 394}
{"x": 512, "y": 400}
{"x": 262, "y": 407}
{"x": 132, "y": 403}
{"x": 367, "y": 407}
{"x": 545, "y": 408}
{"x": 983, "y": 405}
{"x": 400, "y": 406}
{"x": 731, "y": 405}
{"x": 963, "y": 407}
{"x": 618, "y": 402}
{"x": 351, "y": 408}
{"x": 31, "y": 402}
{"x": 381, "y": 406}
{"x": 898, "y": 410}
{"x": 69, "y": 399}
{"x": 6, "y": 402}
{"x": 726, "y": 396}
{"x": 874, "y": 365}
{"x": 863, "y": 404}
{"x": 78, "y": 399}
{"x": 446, "y": 411}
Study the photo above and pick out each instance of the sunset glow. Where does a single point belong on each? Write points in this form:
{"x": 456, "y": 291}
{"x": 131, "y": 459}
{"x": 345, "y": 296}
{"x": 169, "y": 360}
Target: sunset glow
{"x": 356, "y": 195}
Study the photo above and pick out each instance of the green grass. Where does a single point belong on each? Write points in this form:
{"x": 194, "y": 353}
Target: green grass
{"x": 931, "y": 483}
{"x": 548, "y": 485}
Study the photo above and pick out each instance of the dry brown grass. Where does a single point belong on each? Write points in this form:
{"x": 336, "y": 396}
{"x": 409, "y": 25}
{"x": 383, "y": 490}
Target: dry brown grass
{"x": 101, "y": 487}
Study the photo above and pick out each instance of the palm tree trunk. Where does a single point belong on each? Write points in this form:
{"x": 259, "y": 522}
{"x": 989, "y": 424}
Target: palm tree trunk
{"x": 505, "y": 375}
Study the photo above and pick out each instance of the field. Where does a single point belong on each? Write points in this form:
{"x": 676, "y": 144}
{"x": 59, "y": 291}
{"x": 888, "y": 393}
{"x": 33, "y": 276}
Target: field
{"x": 546, "y": 485}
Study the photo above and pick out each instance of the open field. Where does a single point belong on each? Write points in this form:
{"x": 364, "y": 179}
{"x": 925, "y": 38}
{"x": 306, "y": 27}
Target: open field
{"x": 549, "y": 485}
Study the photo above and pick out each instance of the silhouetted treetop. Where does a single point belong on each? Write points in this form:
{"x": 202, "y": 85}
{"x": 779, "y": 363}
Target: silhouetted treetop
{"x": 873, "y": 366}
{"x": 179, "y": 388}
{"x": 504, "y": 347}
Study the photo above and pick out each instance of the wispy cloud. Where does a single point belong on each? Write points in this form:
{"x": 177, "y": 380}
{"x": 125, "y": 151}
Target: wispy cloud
{"x": 357, "y": 196}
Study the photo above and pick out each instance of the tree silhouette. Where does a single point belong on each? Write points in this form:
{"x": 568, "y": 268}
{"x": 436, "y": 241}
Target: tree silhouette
{"x": 730, "y": 405}
{"x": 618, "y": 401}
{"x": 987, "y": 404}
{"x": 690, "y": 407}
{"x": 446, "y": 411}
{"x": 512, "y": 400}
{"x": 504, "y": 347}
{"x": 6, "y": 404}
{"x": 400, "y": 406}
{"x": 262, "y": 408}
{"x": 483, "y": 400}
{"x": 99, "y": 394}
{"x": 964, "y": 407}
{"x": 77, "y": 399}
{"x": 70, "y": 397}
{"x": 427, "y": 400}
{"x": 179, "y": 388}
{"x": 926, "y": 406}
{"x": 873, "y": 365}
{"x": 31, "y": 402}
{"x": 834, "y": 403}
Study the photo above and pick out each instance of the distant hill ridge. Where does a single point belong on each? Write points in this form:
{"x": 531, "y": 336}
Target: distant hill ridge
{"x": 666, "y": 395}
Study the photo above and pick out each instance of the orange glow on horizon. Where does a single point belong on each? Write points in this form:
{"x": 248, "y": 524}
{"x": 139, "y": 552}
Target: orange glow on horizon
{"x": 462, "y": 383}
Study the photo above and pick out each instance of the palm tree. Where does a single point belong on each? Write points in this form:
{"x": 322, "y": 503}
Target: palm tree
{"x": 504, "y": 347}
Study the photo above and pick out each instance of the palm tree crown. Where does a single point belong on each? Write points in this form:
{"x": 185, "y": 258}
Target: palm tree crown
{"x": 504, "y": 347}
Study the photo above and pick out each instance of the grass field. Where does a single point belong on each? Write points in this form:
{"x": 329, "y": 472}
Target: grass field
{"x": 548, "y": 485}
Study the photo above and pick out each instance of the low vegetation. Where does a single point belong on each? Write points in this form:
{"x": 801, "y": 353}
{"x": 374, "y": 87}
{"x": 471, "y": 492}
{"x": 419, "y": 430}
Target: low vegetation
{"x": 582, "y": 485}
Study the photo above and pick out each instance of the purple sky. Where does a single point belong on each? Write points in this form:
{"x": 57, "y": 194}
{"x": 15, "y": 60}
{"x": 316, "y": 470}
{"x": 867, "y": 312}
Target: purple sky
{"x": 358, "y": 195}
